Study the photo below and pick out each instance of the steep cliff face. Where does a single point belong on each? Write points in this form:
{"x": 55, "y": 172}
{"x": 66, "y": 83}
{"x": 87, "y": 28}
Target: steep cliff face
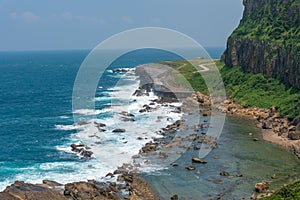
{"x": 268, "y": 40}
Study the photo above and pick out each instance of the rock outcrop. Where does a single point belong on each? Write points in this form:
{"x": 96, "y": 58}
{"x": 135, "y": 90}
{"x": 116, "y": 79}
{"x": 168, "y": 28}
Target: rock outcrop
{"x": 267, "y": 40}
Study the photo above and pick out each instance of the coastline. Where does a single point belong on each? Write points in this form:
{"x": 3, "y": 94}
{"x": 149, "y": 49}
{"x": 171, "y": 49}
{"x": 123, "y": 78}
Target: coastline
{"x": 274, "y": 128}
{"x": 137, "y": 187}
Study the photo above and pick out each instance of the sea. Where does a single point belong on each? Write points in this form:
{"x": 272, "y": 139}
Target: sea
{"x": 36, "y": 116}
{"x": 37, "y": 127}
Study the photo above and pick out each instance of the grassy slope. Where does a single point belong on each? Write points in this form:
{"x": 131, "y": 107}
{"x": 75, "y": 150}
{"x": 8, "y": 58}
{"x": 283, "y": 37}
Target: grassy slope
{"x": 249, "y": 89}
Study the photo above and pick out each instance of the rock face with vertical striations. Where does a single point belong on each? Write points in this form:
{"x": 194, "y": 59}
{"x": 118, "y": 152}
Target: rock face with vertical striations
{"x": 267, "y": 40}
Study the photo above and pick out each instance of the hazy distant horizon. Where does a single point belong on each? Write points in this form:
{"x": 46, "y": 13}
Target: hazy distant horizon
{"x": 67, "y": 25}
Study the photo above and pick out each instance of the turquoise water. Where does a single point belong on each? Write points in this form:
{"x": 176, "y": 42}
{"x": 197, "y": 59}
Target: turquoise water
{"x": 237, "y": 153}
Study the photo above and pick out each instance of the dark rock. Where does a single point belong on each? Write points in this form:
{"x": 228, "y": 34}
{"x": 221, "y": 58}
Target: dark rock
{"x": 174, "y": 197}
{"x": 293, "y": 135}
{"x": 119, "y": 130}
{"x": 99, "y": 124}
{"x": 126, "y": 114}
{"x": 82, "y": 150}
{"x": 127, "y": 119}
{"x": 224, "y": 173}
{"x": 121, "y": 70}
{"x": 266, "y": 125}
{"x": 110, "y": 174}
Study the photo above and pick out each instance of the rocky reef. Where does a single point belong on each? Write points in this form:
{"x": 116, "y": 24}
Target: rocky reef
{"x": 267, "y": 40}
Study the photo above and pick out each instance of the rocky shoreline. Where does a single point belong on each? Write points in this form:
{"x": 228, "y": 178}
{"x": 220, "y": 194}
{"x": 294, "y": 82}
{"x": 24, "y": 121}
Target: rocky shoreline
{"x": 275, "y": 128}
{"x": 128, "y": 186}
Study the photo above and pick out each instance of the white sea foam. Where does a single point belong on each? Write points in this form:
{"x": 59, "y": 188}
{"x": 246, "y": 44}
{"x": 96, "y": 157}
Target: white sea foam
{"x": 64, "y": 117}
{"x": 90, "y": 111}
{"x": 66, "y": 127}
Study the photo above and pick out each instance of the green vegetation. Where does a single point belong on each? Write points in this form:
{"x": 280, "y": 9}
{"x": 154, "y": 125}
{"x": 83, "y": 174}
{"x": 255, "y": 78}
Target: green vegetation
{"x": 257, "y": 90}
{"x": 249, "y": 89}
{"x": 274, "y": 22}
{"x": 190, "y": 73}
{"x": 288, "y": 192}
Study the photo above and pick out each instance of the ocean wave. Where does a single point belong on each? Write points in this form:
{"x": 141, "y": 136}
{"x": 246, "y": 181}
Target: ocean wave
{"x": 90, "y": 111}
{"x": 66, "y": 127}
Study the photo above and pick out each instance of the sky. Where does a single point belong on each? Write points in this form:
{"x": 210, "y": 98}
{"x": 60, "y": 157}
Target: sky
{"x": 78, "y": 24}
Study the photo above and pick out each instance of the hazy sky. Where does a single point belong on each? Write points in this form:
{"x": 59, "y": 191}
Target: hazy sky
{"x": 78, "y": 24}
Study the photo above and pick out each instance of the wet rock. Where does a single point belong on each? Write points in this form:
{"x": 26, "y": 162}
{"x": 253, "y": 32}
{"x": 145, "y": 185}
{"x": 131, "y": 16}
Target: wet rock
{"x": 81, "y": 149}
{"x": 149, "y": 147}
{"x": 174, "y": 197}
{"x": 119, "y": 130}
{"x": 273, "y": 176}
{"x": 99, "y": 124}
{"x": 174, "y": 164}
{"x": 224, "y": 173}
{"x": 126, "y": 114}
{"x": 239, "y": 175}
{"x": 198, "y": 160}
{"x": 127, "y": 119}
{"x": 216, "y": 181}
{"x": 262, "y": 186}
{"x": 255, "y": 139}
{"x": 121, "y": 70}
{"x": 190, "y": 168}
{"x": 110, "y": 174}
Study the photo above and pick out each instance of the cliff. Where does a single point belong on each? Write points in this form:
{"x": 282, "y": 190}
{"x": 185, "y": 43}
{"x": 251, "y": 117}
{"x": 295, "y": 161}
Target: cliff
{"x": 267, "y": 40}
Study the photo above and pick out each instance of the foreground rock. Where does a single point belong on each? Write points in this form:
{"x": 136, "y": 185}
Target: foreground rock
{"x": 26, "y": 191}
{"x": 132, "y": 187}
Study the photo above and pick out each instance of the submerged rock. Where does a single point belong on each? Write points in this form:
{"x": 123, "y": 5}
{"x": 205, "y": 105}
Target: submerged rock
{"x": 198, "y": 160}
{"x": 224, "y": 173}
{"x": 190, "y": 168}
